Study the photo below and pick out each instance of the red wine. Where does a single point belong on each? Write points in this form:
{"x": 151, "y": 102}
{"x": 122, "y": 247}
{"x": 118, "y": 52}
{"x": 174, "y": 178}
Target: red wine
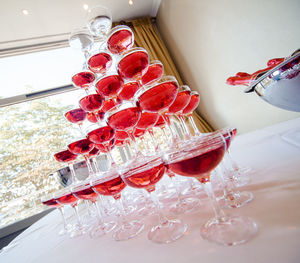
{"x": 147, "y": 120}
{"x": 109, "y": 86}
{"x": 120, "y": 41}
{"x": 138, "y": 132}
{"x": 134, "y": 65}
{"x": 67, "y": 199}
{"x": 81, "y": 147}
{"x": 93, "y": 152}
{"x": 146, "y": 177}
{"x": 153, "y": 74}
{"x": 108, "y": 104}
{"x": 100, "y": 62}
{"x": 161, "y": 122}
{"x": 159, "y": 97}
{"x": 193, "y": 104}
{"x": 51, "y": 203}
{"x": 121, "y": 135}
{"x": 111, "y": 187}
{"x": 65, "y": 156}
{"x": 200, "y": 165}
{"x": 91, "y": 103}
{"x": 128, "y": 90}
{"x": 76, "y": 116}
{"x": 120, "y": 142}
{"x": 106, "y": 147}
{"x": 92, "y": 117}
{"x": 181, "y": 101}
{"x": 101, "y": 135}
{"x": 83, "y": 79}
{"x": 85, "y": 192}
{"x": 124, "y": 119}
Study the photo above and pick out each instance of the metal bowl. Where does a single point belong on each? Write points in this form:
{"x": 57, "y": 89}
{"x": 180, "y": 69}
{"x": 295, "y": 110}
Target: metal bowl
{"x": 280, "y": 86}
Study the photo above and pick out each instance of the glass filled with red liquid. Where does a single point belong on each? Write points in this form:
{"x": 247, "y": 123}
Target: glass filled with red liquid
{"x": 49, "y": 201}
{"x": 100, "y": 62}
{"x": 109, "y": 86}
{"x": 128, "y": 90}
{"x": 84, "y": 79}
{"x": 154, "y": 73}
{"x": 198, "y": 159}
{"x": 65, "y": 197}
{"x": 76, "y": 116}
{"x": 120, "y": 39}
{"x": 111, "y": 184}
{"x": 133, "y": 64}
{"x": 144, "y": 174}
{"x": 84, "y": 191}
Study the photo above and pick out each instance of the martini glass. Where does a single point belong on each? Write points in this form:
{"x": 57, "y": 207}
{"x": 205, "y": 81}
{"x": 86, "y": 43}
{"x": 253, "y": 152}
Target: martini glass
{"x": 120, "y": 39}
{"x": 154, "y": 73}
{"x": 83, "y": 147}
{"x": 159, "y": 97}
{"x": 84, "y": 191}
{"x": 145, "y": 174}
{"x": 76, "y": 116}
{"x": 111, "y": 184}
{"x": 49, "y": 201}
{"x": 65, "y": 197}
{"x": 198, "y": 159}
{"x": 68, "y": 157}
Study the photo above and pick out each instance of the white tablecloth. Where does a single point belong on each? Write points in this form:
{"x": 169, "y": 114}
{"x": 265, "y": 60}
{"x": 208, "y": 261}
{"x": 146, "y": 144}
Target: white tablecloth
{"x": 276, "y": 209}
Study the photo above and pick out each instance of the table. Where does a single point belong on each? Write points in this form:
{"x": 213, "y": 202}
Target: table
{"x": 276, "y": 209}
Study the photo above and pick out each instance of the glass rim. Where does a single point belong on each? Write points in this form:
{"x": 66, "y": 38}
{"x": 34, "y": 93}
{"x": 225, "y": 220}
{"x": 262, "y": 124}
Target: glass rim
{"x": 119, "y": 107}
{"x": 131, "y": 51}
{"x": 105, "y": 177}
{"x": 106, "y": 76}
{"x": 97, "y": 53}
{"x": 164, "y": 79}
{"x": 118, "y": 28}
{"x": 62, "y": 192}
{"x": 195, "y": 148}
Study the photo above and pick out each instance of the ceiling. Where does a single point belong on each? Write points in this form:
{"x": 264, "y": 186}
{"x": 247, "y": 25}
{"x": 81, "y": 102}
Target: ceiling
{"x": 53, "y": 20}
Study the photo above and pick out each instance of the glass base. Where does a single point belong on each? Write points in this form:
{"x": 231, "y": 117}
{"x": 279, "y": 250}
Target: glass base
{"x": 187, "y": 205}
{"x": 100, "y": 230}
{"x": 167, "y": 232}
{"x": 236, "y": 200}
{"x": 229, "y": 232}
{"x": 242, "y": 176}
{"x": 128, "y": 230}
{"x": 77, "y": 231}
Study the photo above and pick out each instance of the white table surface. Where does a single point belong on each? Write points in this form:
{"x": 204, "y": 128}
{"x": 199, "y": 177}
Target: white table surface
{"x": 276, "y": 209}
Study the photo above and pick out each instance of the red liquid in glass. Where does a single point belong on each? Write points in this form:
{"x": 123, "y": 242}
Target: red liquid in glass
{"x": 101, "y": 135}
{"x": 51, "y": 203}
{"x": 93, "y": 152}
{"x": 68, "y": 199}
{"x": 91, "y": 102}
{"x": 200, "y": 165}
{"x": 65, "y": 156}
{"x": 104, "y": 148}
{"x": 158, "y": 98}
{"x": 81, "y": 147}
{"x": 181, "y": 101}
{"x": 92, "y": 117}
{"x": 108, "y": 104}
{"x": 153, "y": 74}
{"x": 76, "y": 116}
{"x": 146, "y": 178}
{"x": 109, "y": 86}
{"x": 100, "y": 63}
{"x": 138, "y": 132}
{"x": 111, "y": 187}
{"x": 124, "y": 119}
{"x": 161, "y": 122}
{"x": 120, "y": 41}
{"x": 121, "y": 135}
{"x": 86, "y": 194}
{"x": 83, "y": 79}
{"x": 128, "y": 90}
{"x": 120, "y": 142}
{"x": 147, "y": 120}
{"x": 193, "y": 104}
{"x": 134, "y": 65}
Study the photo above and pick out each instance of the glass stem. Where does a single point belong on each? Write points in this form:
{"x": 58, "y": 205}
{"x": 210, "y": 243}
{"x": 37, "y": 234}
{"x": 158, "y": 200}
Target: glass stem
{"x": 89, "y": 166}
{"x": 161, "y": 216}
{"x": 73, "y": 175}
{"x": 61, "y": 210}
{"x": 123, "y": 220}
{"x": 156, "y": 145}
{"x": 168, "y": 124}
{"x": 185, "y": 128}
{"x": 219, "y": 213}
{"x": 136, "y": 147}
{"x": 99, "y": 213}
{"x": 94, "y": 161}
{"x": 75, "y": 207}
{"x": 194, "y": 126}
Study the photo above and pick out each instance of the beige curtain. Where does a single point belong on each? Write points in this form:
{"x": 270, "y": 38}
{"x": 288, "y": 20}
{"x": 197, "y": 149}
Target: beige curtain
{"x": 147, "y": 36}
